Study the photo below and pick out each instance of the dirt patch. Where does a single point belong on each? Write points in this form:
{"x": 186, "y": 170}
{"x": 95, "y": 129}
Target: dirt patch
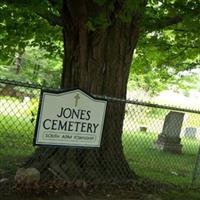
{"x": 141, "y": 189}
{"x": 134, "y": 190}
{"x": 97, "y": 195}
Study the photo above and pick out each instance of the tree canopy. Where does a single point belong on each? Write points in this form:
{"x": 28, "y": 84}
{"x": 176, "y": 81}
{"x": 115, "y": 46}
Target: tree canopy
{"x": 168, "y": 43}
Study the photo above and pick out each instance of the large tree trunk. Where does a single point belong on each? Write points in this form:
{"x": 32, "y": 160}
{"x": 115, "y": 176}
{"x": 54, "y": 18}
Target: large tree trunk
{"x": 98, "y": 62}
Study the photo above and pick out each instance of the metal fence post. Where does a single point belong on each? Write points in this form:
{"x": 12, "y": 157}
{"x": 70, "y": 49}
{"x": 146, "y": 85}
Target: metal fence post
{"x": 196, "y": 168}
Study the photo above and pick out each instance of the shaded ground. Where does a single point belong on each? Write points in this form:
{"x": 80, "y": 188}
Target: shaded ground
{"x": 114, "y": 195}
{"x": 139, "y": 190}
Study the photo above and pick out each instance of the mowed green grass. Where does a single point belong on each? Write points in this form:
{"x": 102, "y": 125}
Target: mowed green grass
{"x": 16, "y": 134}
{"x": 16, "y": 144}
{"x": 155, "y": 164}
{"x": 16, "y": 141}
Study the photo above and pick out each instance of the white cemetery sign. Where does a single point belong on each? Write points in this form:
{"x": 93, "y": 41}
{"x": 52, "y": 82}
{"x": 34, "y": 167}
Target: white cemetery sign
{"x": 71, "y": 118}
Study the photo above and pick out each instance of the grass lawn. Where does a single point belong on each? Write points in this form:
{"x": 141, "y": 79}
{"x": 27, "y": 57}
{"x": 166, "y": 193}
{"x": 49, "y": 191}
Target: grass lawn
{"x": 184, "y": 195}
{"x": 16, "y": 143}
{"x": 158, "y": 165}
{"x": 16, "y": 134}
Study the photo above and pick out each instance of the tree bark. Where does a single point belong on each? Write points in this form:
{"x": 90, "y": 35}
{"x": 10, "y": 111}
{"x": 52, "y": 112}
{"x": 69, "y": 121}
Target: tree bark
{"x": 18, "y": 60}
{"x": 98, "y": 62}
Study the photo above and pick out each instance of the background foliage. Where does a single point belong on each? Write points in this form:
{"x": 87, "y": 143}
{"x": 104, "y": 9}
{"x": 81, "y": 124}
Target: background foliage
{"x": 168, "y": 44}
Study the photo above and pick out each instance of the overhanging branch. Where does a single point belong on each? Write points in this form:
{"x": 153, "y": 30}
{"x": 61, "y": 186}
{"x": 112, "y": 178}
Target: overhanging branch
{"x": 153, "y": 24}
{"x": 51, "y": 18}
{"x": 170, "y": 21}
{"x": 39, "y": 10}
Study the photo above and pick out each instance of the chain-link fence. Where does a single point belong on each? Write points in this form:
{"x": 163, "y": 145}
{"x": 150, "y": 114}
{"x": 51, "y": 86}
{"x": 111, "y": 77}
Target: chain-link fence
{"x": 157, "y": 142}
{"x": 162, "y": 142}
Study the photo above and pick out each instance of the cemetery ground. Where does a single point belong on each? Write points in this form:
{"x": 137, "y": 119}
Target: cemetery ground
{"x": 112, "y": 195}
{"x": 16, "y": 133}
{"x": 16, "y": 146}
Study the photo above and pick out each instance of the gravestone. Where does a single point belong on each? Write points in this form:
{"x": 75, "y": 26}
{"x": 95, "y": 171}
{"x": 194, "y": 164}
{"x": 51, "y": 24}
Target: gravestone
{"x": 190, "y": 132}
{"x": 169, "y": 139}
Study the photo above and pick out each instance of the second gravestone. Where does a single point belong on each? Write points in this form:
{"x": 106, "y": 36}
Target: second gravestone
{"x": 190, "y": 132}
{"x": 169, "y": 140}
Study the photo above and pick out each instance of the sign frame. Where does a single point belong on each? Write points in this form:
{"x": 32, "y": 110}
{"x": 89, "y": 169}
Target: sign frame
{"x": 60, "y": 91}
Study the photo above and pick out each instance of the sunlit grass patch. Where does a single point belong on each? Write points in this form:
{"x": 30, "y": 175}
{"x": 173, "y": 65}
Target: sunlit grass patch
{"x": 149, "y": 162}
{"x": 17, "y": 123}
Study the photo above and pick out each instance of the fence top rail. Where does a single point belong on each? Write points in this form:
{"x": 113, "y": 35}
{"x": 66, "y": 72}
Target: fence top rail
{"x": 23, "y": 84}
{"x": 149, "y": 104}
{"x": 114, "y": 99}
